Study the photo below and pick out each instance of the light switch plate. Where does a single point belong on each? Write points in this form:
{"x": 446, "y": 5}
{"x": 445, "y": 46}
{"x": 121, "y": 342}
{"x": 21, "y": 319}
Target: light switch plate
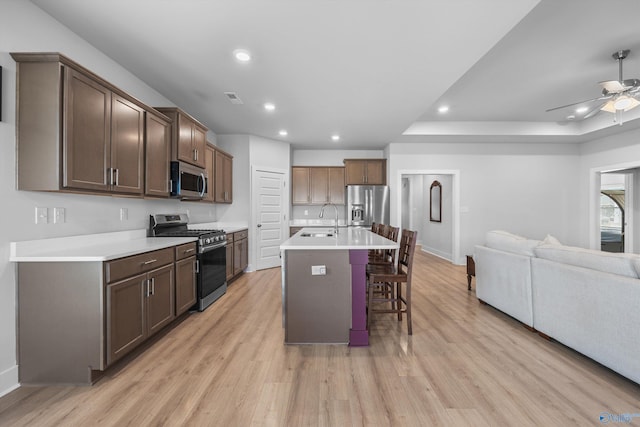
{"x": 42, "y": 215}
{"x": 58, "y": 215}
{"x": 318, "y": 270}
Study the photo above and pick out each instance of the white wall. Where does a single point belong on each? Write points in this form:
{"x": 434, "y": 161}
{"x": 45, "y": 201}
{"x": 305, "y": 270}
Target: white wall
{"x": 25, "y": 28}
{"x": 529, "y": 189}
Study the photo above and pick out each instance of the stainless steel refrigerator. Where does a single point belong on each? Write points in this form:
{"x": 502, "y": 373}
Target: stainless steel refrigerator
{"x": 367, "y": 204}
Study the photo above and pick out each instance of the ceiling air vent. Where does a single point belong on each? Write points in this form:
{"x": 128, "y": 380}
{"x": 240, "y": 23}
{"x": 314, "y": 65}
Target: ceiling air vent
{"x": 233, "y": 97}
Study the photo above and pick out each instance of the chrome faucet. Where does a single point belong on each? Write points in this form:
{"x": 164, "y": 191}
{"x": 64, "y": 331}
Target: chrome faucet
{"x": 322, "y": 214}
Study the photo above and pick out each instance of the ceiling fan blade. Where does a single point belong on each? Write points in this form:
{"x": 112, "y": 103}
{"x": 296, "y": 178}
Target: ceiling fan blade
{"x": 613, "y": 86}
{"x": 602, "y": 98}
{"x": 595, "y": 110}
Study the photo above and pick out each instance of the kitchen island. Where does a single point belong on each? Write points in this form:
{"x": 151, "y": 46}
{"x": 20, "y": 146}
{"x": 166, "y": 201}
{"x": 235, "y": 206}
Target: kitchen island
{"x": 324, "y": 285}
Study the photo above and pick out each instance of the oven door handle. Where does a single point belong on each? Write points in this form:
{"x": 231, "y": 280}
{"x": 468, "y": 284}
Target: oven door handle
{"x": 213, "y": 247}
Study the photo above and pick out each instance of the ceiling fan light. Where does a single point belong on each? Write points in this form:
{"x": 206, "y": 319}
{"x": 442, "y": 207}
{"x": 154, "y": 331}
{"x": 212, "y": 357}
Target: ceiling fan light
{"x": 620, "y": 103}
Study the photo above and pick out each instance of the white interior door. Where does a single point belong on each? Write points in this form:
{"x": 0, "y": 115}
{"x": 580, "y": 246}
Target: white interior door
{"x": 270, "y": 217}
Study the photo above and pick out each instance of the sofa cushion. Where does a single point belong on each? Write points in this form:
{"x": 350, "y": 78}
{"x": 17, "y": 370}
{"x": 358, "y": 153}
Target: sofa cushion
{"x": 615, "y": 263}
{"x": 551, "y": 240}
{"x": 508, "y": 242}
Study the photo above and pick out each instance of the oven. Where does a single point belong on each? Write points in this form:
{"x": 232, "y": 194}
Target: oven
{"x": 211, "y": 257}
{"x": 212, "y": 274}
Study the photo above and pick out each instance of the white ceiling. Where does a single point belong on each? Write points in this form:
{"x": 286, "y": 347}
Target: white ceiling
{"x": 371, "y": 70}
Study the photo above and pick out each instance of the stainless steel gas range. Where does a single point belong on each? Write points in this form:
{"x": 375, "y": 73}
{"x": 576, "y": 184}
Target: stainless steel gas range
{"x": 211, "y": 254}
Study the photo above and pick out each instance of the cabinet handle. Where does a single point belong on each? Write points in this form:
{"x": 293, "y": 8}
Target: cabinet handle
{"x": 151, "y": 261}
{"x": 117, "y": 172}
{"x": 153, "y": 286}
{"x": 189, "y": 250}
{"x": 109, "y": 176}
{"x": 148, "y": 293}
{"x": 195, "y": 154}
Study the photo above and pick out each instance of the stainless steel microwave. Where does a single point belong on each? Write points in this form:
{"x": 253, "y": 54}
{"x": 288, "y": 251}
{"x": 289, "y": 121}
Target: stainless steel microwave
{"x": 188, "y": 181}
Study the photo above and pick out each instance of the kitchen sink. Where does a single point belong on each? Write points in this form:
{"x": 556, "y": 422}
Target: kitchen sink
{"x": 316, "y": 235}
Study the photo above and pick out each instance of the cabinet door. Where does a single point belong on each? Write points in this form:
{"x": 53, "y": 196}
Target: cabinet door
{"x": 185, "y": 284}
{"x": 160, "y": 298}
{"x": 127, "y": 145}
{"x": 228, "y": 179}
{"x": 198, "y": 144}
{"x": 126, "y": 320}
{"x": 229, "y": 260}
{"x": 209, "y": 164}
{"x": 336, "y": 186}
{"x": 376, "y": 173}
{"x": 319, "y": 185}
{"x": 244, "y": 254}
{"x": 300, "y": 186}
{"x": 158, "y": 156}
{"x": 186, "y": 152}
{"x": 237, "y": 257}
{"x": 223, "y": 178}
{"x": 355, "y": 172}
{"x": 87, "y": 124}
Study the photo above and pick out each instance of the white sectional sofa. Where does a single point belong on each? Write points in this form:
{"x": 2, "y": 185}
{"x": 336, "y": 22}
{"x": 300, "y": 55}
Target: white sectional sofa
{"x": 588, "y": 300}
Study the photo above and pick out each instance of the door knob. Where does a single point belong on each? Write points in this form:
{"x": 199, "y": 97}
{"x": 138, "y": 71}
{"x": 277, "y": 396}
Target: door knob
{"x": 259, "y": 225}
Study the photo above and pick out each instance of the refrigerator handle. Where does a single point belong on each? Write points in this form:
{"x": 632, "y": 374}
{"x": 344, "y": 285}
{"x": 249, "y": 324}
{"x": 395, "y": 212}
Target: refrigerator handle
{"x": 369, "y": 202}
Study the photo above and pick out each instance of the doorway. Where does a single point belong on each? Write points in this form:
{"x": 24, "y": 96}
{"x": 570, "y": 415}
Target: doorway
{"x": 268, "y": 215}
{"x": 439, "y": 238}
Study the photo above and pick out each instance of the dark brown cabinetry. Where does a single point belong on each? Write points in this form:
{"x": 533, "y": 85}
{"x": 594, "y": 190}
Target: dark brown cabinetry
{"x": 317, "y": 185}
{"x": 365, "y": 171}
{"x": 185, "y": 277}
{"x": 237, "y": 253}
{"x": 157, "y": 155}
{"x": 140, "y": 299}
{"x": 223, "y": 186}
{"x": 209, "y": 165}
{"x": 188, "y": 137}
{"x": 76, "y": 131}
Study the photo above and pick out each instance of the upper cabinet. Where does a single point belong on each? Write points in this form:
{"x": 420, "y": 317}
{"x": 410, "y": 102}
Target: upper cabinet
{"x": 366, "y": 171}
{"x": 223, "y": 185}
{"x": 157, "y": 155}
{"x": 317, "y": 185}
{"x": 188, "y": 137}
{"x": 77, "y": 132}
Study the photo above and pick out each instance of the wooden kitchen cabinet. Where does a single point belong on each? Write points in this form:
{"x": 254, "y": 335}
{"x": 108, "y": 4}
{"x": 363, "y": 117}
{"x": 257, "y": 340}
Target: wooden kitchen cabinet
{"x": 188, "y": 137}
{"x": 76, "y": 131}
{"x": 140, "y": 299}
{"x": 185, "y": 277}
{"x": 365, "y": 171}
{"x": 317, "y": 185}
{"x": 157, "y": 155}
{"x": 209, "y": 165}
{"x": 223, "y": 186}
{"x": 237, "y": 253}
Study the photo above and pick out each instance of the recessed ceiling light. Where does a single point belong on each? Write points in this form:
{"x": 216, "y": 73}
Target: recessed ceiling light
{"x": 580, "y": 110}
{"x": 571, "y": 117}
{"x": 283, "y": 133}
{"x": 242, "y": 55}
{"x": 269, "y": 106}
{"x": 335, "y": 137}
{"x": 443, "y": 109}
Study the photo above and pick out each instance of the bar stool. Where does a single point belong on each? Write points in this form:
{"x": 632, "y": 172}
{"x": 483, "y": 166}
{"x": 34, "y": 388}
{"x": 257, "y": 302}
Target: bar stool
{"x": 386, "y": 256}
{"x": 384, "y": 282}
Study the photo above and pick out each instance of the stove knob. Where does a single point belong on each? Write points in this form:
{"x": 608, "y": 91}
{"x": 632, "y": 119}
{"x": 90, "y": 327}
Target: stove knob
{"x": 218, "y": 238}
{"x": 207, "y": 240}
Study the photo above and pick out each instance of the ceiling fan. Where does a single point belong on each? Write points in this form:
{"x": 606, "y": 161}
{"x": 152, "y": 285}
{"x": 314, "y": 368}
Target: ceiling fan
{"x": 617, "y": 95}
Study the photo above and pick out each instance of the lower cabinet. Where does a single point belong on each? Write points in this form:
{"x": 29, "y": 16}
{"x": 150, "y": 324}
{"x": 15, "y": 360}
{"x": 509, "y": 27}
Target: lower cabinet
{"x": 237, "y": 253}
{"x": 137, "y": 308}
{"x": 185, "y": 284}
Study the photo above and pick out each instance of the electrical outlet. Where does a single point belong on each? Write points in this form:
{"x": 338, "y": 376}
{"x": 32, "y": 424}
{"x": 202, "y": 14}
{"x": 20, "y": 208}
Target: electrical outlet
{"x": 306, "y": 212}
{"x": 42, "y": 215}
{"x": 58, "y": 215}
{"x": 318, "y": 270}
{"x": 124, "y": 214}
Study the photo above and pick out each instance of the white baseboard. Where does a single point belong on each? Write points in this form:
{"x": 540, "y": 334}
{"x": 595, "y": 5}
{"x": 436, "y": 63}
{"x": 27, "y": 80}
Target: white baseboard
{"x": 9, "y": 380}
{"x": 439, "y": 254}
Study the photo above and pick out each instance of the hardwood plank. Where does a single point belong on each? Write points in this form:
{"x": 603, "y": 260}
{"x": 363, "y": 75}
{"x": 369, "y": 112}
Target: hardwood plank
{"x": 466, "y": 364}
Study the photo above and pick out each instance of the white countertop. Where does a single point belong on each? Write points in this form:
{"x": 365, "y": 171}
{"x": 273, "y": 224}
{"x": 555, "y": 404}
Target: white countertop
{"x": 228, "y": 227}
{"x": 316, "y": 223}
{"x": 92, "y": 247}
{"x": 347, "y": 238}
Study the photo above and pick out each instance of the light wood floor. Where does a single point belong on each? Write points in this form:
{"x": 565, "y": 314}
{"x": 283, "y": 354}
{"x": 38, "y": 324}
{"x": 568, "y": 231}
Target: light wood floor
{"x": 466, "y": 364}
